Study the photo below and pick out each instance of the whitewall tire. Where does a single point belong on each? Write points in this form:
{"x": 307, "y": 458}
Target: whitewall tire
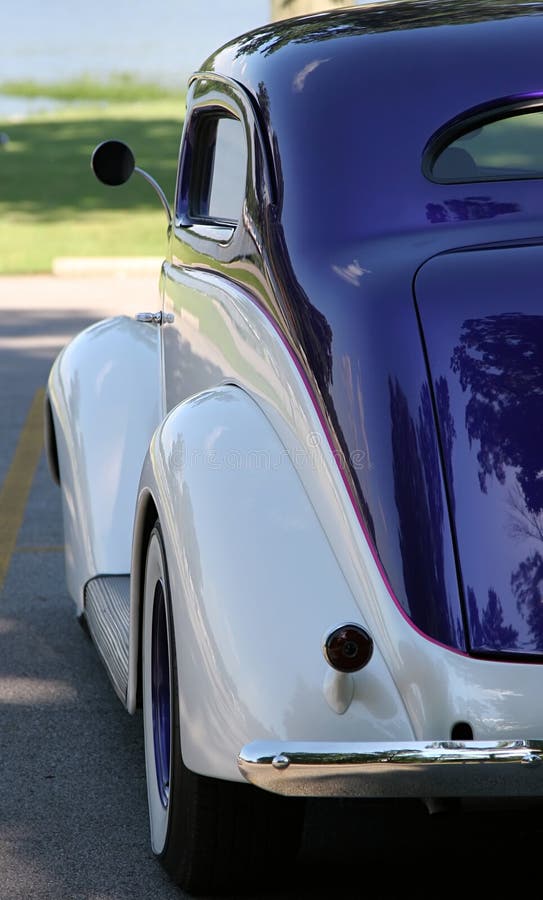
{"x": 210, "y": 835}
{"x": 157, "y": 691}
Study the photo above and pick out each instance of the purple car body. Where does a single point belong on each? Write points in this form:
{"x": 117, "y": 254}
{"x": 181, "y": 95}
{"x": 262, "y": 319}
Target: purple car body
{"x": 392, "y": 285}
{"x": 303, "y": 501}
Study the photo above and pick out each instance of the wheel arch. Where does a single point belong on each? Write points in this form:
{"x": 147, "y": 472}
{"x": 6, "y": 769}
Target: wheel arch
{"x": 50, "y": 441}
{"x": 145, "y": 518}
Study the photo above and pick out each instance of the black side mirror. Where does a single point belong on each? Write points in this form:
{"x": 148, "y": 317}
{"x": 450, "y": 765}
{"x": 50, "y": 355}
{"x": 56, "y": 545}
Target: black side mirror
{"x": 113, "y": 162}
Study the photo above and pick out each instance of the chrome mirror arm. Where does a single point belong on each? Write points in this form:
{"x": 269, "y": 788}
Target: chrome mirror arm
{"x": 158, "y": 190}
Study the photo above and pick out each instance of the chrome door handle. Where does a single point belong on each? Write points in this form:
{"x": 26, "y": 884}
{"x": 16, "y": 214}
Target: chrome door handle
{"x": 155, "y": 318}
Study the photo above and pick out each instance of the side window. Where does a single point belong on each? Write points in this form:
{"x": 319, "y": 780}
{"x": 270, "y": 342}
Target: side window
{"x": 219, "y": 170}
{"x": 227, "y": 190}
{"x": 507, "y": 148}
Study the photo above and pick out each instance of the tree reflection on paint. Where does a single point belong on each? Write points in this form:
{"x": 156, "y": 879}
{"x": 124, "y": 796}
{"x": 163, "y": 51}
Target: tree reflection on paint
{"x": 419, "y": 501}
{"x": 470, "y": 209}
{"x": 500, "y": 361}
{"x": 488, "y": 631}
{"x": 526, "y": 583}
{"x": 380, "y": 18}
{"x": 448, "y": 433}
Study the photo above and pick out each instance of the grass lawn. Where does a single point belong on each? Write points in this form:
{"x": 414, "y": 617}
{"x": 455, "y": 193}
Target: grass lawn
{"x": 52, "y": 205}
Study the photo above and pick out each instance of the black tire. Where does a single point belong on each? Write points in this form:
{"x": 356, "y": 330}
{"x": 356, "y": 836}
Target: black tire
{"x": 210, "y": 835}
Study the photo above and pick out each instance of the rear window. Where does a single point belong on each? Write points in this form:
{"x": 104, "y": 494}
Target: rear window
{"x": 508, "y": 147}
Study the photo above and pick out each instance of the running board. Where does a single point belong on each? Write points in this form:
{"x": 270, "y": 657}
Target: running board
{"x": 107, "y": 611}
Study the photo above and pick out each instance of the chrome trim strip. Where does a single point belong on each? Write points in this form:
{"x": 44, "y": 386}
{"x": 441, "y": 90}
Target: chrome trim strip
{"x": 408, "y": 769}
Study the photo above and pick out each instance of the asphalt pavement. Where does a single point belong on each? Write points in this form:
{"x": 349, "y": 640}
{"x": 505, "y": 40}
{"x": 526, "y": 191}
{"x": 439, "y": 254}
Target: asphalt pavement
{"x": 72, "y": 788}
{"x": 73, "y": 817}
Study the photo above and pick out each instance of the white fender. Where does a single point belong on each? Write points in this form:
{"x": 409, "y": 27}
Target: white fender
{"x": 440, "y": 687}
{"x": 255, "y": 587}
{"x": 104, "y": 392}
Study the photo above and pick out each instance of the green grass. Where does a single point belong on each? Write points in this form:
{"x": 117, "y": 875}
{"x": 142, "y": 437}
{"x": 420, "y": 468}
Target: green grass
{"x": 119, "y": 88}
{"x": 51, "y": 204}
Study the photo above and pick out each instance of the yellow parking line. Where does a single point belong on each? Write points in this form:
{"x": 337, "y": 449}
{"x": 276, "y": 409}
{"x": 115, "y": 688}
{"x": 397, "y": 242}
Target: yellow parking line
{"x": 18, "y": 481}
{"x": 42, "y": 548}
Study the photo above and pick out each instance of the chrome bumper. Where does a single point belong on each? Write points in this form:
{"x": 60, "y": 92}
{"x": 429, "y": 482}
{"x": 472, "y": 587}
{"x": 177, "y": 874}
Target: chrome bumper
{"x": 407, "y": 769}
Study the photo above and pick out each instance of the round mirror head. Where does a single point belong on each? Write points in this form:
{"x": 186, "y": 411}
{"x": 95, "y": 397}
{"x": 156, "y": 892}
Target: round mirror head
{"x": 113, "y": 162}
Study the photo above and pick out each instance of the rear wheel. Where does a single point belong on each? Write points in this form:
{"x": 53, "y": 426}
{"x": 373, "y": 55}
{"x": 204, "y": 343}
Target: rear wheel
{"x": 209, "y": 834}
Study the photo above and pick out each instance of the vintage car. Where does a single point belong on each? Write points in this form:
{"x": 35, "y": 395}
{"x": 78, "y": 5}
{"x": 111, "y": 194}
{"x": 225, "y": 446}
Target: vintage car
{"x": 303, "y": 501}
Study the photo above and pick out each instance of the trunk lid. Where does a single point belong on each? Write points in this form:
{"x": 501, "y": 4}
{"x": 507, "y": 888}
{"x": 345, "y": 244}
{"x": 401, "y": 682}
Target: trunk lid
{"x": 481, "y": 314}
